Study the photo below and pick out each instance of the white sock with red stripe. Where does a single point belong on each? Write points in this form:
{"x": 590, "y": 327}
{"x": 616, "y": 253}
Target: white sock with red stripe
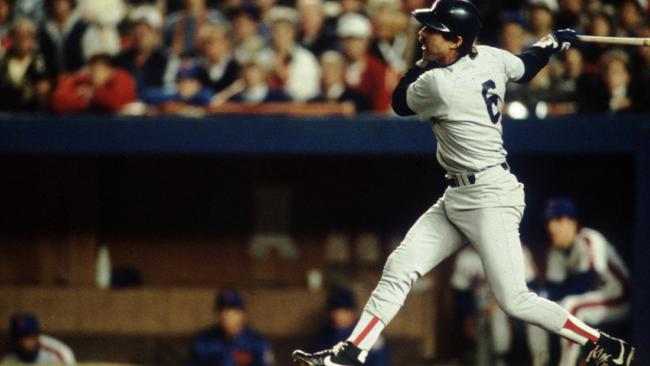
{"x": 577, "y": 331}
{"x": 367, "y": 331}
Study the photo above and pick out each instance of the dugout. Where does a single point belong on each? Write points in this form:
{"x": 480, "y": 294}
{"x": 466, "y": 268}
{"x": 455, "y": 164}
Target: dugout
{"x": 175, "y": 189}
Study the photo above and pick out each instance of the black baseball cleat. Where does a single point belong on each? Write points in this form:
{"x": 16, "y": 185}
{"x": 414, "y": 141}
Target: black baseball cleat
{"x": 609, "y": 351}
{"x": 343, "y": 354}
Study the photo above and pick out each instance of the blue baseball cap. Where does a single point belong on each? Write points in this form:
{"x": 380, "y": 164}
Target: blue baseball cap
{"x": 188, "y": 70}
{"x": 22, "y": 325}
{"x": 228, "y": 298}
{"x": 513, "y": 17}
{"x": 559, "y": 207}
{"x": 341, "y": 299}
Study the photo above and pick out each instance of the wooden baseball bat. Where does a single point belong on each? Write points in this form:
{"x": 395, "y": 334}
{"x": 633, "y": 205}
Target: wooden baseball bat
{"x": 626, "y": 41}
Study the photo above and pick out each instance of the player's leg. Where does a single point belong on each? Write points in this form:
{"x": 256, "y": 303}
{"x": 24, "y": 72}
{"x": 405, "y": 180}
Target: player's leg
{"x": 596, "y": 307}
{"x": 495, "y": 234}
{"x": 430, "y": 240}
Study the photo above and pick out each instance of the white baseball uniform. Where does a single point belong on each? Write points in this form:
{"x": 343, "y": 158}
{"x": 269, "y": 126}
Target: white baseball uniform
{"x": 606, "y": 302}
{"x": 483, "y": 205}
{"x": 494, "y": 333}
{"x": 51, "y": 352}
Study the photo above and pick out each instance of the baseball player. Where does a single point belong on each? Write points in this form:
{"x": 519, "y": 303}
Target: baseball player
{"x": 478, "y": 310}
{"x": 585, "y": 275}
{"x": 459, "y": 88}
{"x": 28, "y": 345}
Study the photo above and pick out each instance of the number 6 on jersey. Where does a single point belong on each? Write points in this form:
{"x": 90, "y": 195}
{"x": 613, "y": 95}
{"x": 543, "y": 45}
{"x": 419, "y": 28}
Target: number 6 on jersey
{"x": 491, "y": 100}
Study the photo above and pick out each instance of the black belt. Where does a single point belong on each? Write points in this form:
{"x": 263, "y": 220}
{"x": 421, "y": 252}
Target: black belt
{"x": 457, "y": 180}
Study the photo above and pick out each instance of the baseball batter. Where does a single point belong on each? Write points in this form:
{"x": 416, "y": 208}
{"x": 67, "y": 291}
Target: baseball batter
{"x": 459, "y": 88}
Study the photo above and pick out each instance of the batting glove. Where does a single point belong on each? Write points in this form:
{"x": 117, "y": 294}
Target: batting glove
{"x": 558, "y": 40}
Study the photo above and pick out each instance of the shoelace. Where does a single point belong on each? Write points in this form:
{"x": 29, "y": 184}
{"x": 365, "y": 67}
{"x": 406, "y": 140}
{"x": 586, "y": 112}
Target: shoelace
{"x": 599, "y": 355}
{"x": 338, "y": 348}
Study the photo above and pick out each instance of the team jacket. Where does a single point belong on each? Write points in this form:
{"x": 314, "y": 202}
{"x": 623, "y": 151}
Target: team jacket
{"x": 51, "y": 352}
{"x": 212, "y": 348}
{"x": 591, "y": 264}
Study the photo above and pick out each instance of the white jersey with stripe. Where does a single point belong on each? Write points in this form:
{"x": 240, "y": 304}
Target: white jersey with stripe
{"x": 51, "y": 352}
{"x": 590, "y": 251}
{"x": 464, "y": 101}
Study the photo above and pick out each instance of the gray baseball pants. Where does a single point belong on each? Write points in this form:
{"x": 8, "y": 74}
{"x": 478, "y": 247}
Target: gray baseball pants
{"x": 486, "y": 215}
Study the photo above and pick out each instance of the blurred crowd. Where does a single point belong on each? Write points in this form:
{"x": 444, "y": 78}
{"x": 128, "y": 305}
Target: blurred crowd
{"x": 143, "y": 57}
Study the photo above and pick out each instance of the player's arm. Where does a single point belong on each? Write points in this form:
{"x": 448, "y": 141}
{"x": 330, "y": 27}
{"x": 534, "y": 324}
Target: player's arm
{"x": 537, "y": 56}
{"x": 398, "y": 99}
{"x": 575, "y": 284}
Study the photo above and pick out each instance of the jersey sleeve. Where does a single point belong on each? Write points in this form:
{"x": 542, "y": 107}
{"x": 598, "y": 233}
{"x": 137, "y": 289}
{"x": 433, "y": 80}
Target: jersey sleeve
{"x": 514, "y": 67}
{"x": 61, "y": 349}
{"x": 556, "y": 267}
{"x": 599, "y": 253}
{"x": 423, "y": 95}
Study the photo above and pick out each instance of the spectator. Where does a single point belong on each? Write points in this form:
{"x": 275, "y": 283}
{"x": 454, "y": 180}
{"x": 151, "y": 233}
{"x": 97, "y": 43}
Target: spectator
{"x": 182, "y": 30}
{"x": 413, "y": 47}
{"x": 584, "y": 274}
{"x": 103, "y": 17}
{"x": 217, "y": 62}
{"x": 568, "y": 80}
{"x": 189, "y": 97}
{"x": 623, "y": 92}
{"x": 514, "y": 35}
{"x": 291, "y": 67}
{"x": 253, "y": 88}
{"x": 248, "y": 42}
{"x": 230, "y": 341}
{"x": 630, "y": 18}
{"x": 391, "y": 41}
{"x": 30, "y": 9}
{"x": 352, "y": 7}
{"x": 612, "y": 89}
{"x": 315, "y": 35}
{"x": 601, "y": 24}
{"x": 333, "y": 88}
{"x": 540, "y": 18}
{"x": 571, "y": 15}
{"x": 5, "y": 24}
{"x": 265, "y": 8}
{"x": 146, "y": 60}
{"x": 99, "y": 88}
{"x": 365, "y": 73}
{"x": 24, "y": 76}
{"x": 60, "y": 36}
{"x": 29, "y": 346}
{"x": 342, "y": 315}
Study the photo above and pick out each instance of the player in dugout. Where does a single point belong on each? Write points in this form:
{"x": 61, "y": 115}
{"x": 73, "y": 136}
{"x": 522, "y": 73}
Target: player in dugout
{"x": 230, "y": 342}
{"x": 30, "y": 346}
{"x": 459, "y": 88}
{"x": 584, "y": 274}
{"x": 341, "y": 307}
